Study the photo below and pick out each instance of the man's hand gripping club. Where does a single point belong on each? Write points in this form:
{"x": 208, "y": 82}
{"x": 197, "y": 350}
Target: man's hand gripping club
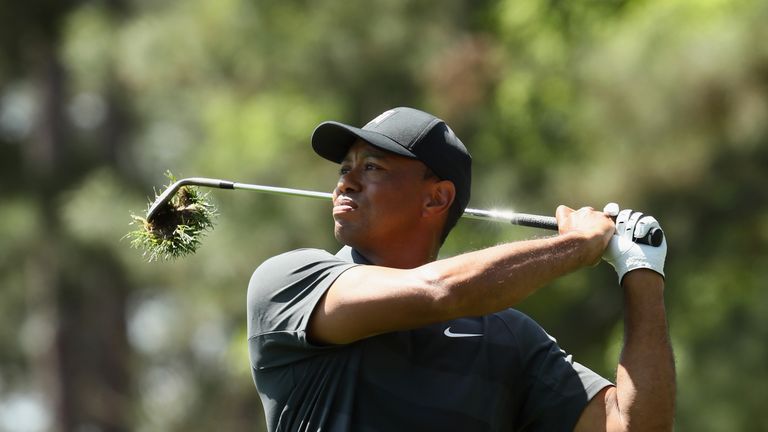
{"x": 595, "y": 227}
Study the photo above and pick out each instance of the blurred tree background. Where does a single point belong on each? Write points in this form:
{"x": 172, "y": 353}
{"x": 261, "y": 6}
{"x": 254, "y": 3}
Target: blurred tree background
{"x": 656, "y": 105}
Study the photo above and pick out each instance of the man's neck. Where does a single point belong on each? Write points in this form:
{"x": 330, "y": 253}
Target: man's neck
{"x": 404, "y": 256}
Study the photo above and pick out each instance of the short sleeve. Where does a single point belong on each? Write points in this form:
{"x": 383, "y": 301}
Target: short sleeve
{"x": 282, "y": 294}
{"x": 557, "y": 388}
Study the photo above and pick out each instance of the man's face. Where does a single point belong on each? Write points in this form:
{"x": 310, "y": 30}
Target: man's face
{"x": 379, "y": 196}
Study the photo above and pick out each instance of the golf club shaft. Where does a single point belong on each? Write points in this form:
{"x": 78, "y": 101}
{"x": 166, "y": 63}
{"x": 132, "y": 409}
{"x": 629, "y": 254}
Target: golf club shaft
{"x": 654, "y": 238}
{"x": 523, "y": 219}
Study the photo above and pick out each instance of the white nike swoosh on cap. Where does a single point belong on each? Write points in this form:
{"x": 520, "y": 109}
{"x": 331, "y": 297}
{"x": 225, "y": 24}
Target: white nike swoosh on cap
{"x": 451, "y": 334}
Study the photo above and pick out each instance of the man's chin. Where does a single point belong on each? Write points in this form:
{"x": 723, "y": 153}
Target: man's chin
{"x": 345, "y": 235}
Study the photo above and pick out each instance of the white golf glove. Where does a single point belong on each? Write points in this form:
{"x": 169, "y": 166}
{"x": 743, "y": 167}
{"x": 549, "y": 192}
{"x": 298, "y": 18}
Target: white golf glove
{"x": 623, "y": 253}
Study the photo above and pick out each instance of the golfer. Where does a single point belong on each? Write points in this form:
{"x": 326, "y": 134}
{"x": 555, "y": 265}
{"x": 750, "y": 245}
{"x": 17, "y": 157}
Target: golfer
{"x": 383, "y": 336}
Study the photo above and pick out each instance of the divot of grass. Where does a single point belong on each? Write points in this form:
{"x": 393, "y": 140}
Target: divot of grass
{"x": 175, "y": 230}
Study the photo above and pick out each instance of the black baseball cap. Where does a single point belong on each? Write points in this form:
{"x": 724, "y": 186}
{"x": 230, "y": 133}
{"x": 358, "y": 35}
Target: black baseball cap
{"x": 407, "y": 132}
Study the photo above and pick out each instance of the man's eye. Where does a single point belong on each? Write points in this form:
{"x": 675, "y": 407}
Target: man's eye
{"x": 370, "y": 166}
{"x": 343, "y": 170}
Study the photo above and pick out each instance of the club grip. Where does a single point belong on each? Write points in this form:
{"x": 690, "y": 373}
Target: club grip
{"x": 655, "y": 237}
{"x": 534, "y": 221}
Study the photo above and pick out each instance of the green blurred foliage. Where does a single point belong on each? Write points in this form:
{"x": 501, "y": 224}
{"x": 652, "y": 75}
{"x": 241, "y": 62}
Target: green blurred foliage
{"x": 657, "y": 105}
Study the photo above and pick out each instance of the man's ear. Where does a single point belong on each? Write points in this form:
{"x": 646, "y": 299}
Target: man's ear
{"x": 441, "y": 196}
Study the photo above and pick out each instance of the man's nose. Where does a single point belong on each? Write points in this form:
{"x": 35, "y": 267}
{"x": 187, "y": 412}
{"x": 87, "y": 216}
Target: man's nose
{"x": 349, "y": 181}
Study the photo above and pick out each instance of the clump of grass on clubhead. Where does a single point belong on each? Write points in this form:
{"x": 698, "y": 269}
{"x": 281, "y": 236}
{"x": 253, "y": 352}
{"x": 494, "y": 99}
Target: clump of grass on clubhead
{"x": 175, "y": 230}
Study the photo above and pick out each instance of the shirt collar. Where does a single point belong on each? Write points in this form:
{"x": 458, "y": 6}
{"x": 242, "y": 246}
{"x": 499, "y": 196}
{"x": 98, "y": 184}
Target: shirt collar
{"x": 350, "y": 255}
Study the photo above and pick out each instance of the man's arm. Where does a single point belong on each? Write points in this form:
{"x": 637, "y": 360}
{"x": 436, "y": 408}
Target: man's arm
{"x": 644, "y": 396}
{"x": 369, "y": 300}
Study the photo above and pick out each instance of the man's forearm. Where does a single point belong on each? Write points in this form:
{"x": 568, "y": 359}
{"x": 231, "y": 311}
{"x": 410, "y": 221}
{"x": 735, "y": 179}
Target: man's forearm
{"x": 645, "y": 378}
{"x": 491, "y": 279}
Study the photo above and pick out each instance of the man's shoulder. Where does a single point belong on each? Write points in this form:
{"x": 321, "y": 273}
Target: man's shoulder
{"x": 291, "y": 264}
{"x": 292, "y": 269}
{"x": 295, "y": 257}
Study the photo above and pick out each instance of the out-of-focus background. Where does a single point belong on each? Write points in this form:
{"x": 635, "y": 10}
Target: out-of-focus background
{"x": 654, "y": 104}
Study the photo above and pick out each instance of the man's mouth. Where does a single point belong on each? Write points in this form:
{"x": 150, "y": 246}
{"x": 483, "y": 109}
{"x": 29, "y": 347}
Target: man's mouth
{"x": 343, "y": 205}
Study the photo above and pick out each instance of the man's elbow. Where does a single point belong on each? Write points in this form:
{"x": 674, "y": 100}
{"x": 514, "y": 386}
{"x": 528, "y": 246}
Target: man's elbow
{"x": 618, "y": 420}
{"x": 444, "y": 298}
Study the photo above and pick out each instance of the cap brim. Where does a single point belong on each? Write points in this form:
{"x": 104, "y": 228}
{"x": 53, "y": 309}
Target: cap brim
{"x": 332, "y": 141}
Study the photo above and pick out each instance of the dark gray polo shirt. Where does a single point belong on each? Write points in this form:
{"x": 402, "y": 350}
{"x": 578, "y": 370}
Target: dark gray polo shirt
{"x": 499, "y": 372}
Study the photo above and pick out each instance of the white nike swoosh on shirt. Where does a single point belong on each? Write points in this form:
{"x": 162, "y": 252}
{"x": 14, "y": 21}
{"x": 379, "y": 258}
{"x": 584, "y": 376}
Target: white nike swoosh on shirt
{"x": 451, "y": 334}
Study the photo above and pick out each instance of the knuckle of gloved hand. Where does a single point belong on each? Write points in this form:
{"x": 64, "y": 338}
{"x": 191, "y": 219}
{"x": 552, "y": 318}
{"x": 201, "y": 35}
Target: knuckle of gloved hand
{"x": 623, "y": 217}
{"x": 611, "y": 209}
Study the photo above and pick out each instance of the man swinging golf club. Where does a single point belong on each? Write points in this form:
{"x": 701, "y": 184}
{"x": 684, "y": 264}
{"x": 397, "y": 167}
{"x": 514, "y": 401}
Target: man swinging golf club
{"x": 382, "y": 336}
